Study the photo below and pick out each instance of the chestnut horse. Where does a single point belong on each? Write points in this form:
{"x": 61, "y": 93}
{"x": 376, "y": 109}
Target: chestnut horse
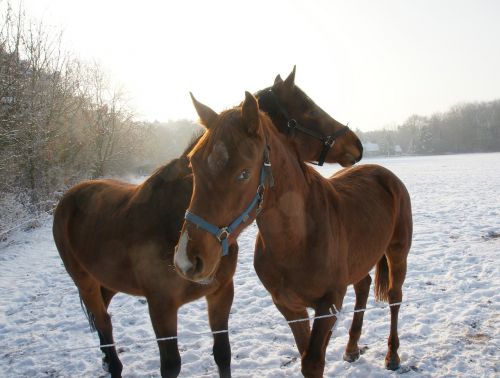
{"x": 118, "y": 237}
{"x": 316, "y": 235}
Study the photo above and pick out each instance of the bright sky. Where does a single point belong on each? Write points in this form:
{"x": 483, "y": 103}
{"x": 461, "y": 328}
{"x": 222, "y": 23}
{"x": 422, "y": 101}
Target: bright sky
{"x": 372, "y": 63}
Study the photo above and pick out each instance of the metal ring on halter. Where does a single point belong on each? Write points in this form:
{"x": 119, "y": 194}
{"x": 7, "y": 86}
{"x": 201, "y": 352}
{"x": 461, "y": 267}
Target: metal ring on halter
{"x": 223, "y": 234}
{"x": 292, "y": 123}
{"x": 330, "y": 141}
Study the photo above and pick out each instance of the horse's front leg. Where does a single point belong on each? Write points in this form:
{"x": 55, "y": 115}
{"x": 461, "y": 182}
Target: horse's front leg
{"x": 219, "y": 305}
{"x": 163, "y": 313}
{"x": 301, "y": 329}
{"x": 313, "y": 359}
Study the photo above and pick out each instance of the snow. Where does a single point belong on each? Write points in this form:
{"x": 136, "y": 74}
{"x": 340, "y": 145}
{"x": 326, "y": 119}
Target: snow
{"x": 448, "y": 325}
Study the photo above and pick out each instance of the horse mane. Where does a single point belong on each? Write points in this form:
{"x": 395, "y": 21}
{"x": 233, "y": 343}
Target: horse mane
{"x": 174, "y": 168}
{"x": 192, "y": 142}
{"x": 268, "y": 104}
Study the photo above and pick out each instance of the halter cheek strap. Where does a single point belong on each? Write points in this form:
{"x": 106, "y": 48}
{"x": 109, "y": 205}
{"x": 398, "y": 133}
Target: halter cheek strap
{"x": 328, "y": 143}
{"x": 222, "y": 233}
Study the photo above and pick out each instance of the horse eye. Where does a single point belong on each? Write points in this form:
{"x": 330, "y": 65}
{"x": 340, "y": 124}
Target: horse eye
{"x": 244, "y": 175}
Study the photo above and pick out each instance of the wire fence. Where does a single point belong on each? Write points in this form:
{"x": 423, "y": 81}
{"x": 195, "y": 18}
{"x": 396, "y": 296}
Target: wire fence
{"x": 338, "y": 314}
{"x": 334, "y": 312}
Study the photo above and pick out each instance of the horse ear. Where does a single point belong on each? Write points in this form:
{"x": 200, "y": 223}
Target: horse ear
{"x": 250, "y": 113}
{"x": 207, "y": 115}
{"x": 278, "y": 80}
{"x": 290, "y": 80}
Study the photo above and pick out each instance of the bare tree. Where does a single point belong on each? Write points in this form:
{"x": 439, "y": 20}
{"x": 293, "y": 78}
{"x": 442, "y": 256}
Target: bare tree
{"x": 109, "y": 124}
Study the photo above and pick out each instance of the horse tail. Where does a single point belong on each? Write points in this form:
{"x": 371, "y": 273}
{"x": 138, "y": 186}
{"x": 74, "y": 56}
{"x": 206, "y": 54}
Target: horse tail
{"x": 382, "y": 280}
{"x": 90, "y": 317}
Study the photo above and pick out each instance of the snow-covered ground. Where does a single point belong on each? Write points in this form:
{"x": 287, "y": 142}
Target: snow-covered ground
{"x": 448, "y": 326}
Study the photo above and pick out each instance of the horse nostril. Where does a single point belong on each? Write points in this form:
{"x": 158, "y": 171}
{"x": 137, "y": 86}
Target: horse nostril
{"x": 198, "y": 265}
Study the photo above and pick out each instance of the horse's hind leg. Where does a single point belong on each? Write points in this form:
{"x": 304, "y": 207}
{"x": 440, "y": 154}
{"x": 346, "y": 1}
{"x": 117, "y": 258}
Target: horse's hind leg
{"x": 396, "y": 258}
{"x": 219, "y": 306}
{"x": 391, "y": 270}
{"x": 92, "y": 297}
{"x": 362, "y": 289}
{"x": 107, "y": 295}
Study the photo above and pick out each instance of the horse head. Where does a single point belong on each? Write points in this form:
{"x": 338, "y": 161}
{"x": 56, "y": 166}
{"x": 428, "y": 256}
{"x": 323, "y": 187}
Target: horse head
{"x": 231, "y": 155}
{"x": 317, "y": 136}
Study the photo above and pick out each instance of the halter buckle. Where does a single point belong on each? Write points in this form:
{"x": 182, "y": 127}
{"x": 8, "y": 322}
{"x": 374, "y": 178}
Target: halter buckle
{"x": 223, "y": 234}
{"x": 292, "y": 124}
{"x": 330, "y": 141}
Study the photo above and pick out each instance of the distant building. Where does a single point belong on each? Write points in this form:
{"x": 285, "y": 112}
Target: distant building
{"x": 371, "y": 149}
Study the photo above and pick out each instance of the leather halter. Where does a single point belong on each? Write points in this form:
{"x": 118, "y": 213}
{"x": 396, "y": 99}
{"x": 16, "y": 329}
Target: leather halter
{"x": 223, "y": 233}
{"x": 292, "y": 124}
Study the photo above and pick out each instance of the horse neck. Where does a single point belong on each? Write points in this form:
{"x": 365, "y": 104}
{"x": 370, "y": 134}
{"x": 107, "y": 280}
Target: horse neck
{"x": 268, "y": 105}
{"x": 285, "y": 205}
{"x": 155, "y": 190}
{"x": 155, "y": 186}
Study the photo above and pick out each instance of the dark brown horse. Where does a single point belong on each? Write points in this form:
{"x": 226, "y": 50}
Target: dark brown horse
{"x": 118, "y": 237}
{"x": 316, "y": 235}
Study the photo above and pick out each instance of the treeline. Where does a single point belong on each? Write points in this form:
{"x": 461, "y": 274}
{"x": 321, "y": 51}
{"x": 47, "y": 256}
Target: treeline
{"x": 62, "y": 122}
{"x": 473, "y": 127}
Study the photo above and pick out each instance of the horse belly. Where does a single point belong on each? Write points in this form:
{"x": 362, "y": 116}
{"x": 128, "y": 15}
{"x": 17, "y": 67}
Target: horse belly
{"x": 115, "y": 273}
{"x": 362, "y": 260}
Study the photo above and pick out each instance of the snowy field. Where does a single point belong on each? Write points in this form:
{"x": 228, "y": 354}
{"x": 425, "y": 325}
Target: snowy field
{"x": 448, "y": 326}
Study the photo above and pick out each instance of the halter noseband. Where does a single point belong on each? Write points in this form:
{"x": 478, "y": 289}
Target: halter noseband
{"x": 292, "y": 124}
{"x": 223, "y": 233}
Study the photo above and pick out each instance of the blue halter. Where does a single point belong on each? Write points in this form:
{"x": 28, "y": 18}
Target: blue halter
{"x": 222, "y": 233}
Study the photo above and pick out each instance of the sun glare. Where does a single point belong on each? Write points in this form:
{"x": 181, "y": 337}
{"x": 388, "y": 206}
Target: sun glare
{"x": 370, "y": 63}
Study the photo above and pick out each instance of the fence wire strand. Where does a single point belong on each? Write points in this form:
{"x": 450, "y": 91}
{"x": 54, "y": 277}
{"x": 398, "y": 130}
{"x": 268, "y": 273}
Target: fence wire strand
{"x": 335, "y": 313}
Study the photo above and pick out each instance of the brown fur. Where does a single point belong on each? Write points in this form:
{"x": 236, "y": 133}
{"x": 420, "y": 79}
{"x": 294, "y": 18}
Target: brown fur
{"x": 118, "y": 237}
{"x": 316, "y": 235}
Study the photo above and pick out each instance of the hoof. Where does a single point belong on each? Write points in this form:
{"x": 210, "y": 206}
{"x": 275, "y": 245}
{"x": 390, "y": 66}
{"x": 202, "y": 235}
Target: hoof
{"x": 311, "y": 374}
{"x": 114, "y": 370}
{"x": 392, "y": 365}
{"x": 170, "y": 373}
{"x": 351, "y": 357}
{"x": 224, "y": 372}
{"x": 313, "y": 370}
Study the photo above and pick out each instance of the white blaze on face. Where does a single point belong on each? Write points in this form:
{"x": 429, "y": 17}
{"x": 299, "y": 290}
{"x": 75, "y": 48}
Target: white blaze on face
{"x": 218, "y": 158}
{"x": 181, "y": 259}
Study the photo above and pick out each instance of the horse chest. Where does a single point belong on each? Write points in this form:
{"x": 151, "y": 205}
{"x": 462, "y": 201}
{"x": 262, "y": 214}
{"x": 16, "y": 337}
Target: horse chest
{"x": 290, "y": 287}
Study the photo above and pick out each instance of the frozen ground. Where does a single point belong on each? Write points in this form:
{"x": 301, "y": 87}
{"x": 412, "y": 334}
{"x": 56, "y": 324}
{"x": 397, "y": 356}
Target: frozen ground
{"x": 448, "y": 327}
